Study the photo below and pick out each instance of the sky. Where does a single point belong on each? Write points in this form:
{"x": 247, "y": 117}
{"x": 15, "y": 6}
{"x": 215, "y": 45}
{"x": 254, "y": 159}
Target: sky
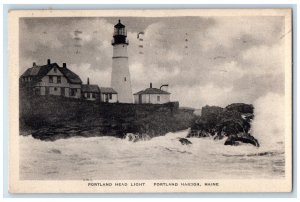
{"x": 205, "y": 60}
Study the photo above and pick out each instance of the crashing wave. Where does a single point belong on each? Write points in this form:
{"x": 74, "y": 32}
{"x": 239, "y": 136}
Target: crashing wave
{"x": 136, "y": 137}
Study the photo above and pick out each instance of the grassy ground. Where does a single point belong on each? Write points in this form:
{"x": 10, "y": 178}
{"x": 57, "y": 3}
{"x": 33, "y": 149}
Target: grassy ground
{"x": 51, "y": 118}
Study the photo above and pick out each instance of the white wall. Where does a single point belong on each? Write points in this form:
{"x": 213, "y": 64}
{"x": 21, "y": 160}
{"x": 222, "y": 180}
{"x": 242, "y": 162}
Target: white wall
{"x": 114, "y": 98}
{"x": 136, "y": 99}
{"x": 164, "y": 98}
{"x": 89, "y": 96}
{"x": 46, "y": 82}
{"x": 54, "y": 91}
{"x": 78, "y": 90}
{"x": 43, "y": 90}
{"x": 120, "y": 50}
{"x": 120, "y": 71}
{"x": 152, "y": 98}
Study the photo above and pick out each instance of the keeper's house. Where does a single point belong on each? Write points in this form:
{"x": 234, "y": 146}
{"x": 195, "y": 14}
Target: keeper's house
{"x": 151, "y": 96}
{"x": 50, "y": 79}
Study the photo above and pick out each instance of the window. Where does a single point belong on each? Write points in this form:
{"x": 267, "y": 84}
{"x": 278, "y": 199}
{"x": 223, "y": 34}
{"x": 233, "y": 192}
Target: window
{"x": 158, "y": 98}
{"x": 36, "y": 91}
{"x": 110, "y": 96}
{"x": 55, "y": 69}
{"x": 94, "y": 95}
{"x": 50, "y": 79}
{"x": 55, "y": 89}
{"x": 73, "y": 91}
{"x": 58, "y": 79}
{"x": 124, "y": 78}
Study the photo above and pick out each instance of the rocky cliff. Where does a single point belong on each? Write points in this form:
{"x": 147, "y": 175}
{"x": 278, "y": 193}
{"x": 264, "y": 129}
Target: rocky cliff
{"x": 232, "y": 122}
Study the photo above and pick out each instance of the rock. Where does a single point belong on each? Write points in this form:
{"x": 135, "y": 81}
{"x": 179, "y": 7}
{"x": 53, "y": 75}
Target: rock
{"x": 219, "y": 137}
{"x": 241, "y": 107}
{"x": 241, "y": 138}
{"x": 137, "y": 137}
{"x": 197, "y": 133}
{"x": 56, "y": 151}
{"x": 131, "y": 137}
{"x": 184, "y": 141}
{"x": 210, "y": 110}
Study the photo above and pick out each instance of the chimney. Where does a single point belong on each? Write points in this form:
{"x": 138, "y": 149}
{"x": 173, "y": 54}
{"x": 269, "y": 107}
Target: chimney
{"x": 150, "y": 85}
{"x": 88, "y": 81}
{"x": 34, "y": 64}
{"x": 64, "y": 65}
{"x": 48, "y": 61}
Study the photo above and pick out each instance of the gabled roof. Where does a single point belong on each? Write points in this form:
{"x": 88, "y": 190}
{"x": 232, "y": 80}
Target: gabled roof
{"x": 90, "y": 88}
{"x": 108, "y": 90}
{"x": 71, "y": 76}
{"x": 38, "y": 72}
{"x": 151, "y": 91}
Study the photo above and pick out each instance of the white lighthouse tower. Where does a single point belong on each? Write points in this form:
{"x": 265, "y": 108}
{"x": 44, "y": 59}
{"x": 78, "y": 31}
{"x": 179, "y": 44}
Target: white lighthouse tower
{"x": 120, "y": 77}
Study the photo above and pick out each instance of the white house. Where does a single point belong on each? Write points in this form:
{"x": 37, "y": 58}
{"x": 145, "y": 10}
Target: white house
{"x": 151, "y": 96}
{"x": 50, "y": 79}
{"x": 108, "y": 95}
{"x": 90, "y": 92}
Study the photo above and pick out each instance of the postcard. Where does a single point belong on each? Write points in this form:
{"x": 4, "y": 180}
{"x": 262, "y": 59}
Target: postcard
{"x": 150, "y": 101}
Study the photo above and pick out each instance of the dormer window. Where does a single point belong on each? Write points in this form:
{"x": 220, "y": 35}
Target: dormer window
{"x": 55, "y": 69}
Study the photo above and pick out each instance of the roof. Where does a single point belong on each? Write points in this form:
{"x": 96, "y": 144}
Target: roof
{"x": 90, "y": 88}
{"x": 38, "y": 72}
{"x": 71, "y": 76}
{"x": 152, "y": 91}
{"x": 107, "y": 90}
{"x": 119, "y": 25}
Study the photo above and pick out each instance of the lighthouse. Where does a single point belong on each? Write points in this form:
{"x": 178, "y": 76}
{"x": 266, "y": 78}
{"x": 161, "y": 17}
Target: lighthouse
{"x": 120, "y": 77}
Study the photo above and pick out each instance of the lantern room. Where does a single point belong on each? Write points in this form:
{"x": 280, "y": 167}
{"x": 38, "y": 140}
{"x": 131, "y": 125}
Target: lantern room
{"x": 120, "y": 34}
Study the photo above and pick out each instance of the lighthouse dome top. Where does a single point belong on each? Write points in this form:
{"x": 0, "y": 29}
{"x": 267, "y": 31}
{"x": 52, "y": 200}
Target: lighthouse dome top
{"x": 119, "y": 25}
{"x": 120, "y": 34}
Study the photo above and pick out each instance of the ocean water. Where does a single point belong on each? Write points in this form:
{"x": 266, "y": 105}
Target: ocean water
{"x": 104, "y": 158}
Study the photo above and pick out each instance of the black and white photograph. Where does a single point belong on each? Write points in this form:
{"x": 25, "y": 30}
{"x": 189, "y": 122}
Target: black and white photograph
{"x": 151, "y": 101}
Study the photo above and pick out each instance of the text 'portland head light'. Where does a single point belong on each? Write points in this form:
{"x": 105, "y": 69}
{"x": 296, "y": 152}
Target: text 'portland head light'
{"x": 120, "y": 77}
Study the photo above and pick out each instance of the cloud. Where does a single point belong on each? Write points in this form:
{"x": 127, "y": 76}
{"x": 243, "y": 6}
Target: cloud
{"x": 96, "y": 76}
{"x": 230, "y": 31}
{"x": 199, "y": 96}
{"x": 264, "y": 59}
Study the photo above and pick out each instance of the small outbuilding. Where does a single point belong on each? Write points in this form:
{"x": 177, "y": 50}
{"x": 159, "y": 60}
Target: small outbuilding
{"x": 90, "y": 92}
{"x": 108, "y": 94}
{"x": 151, "y": 96}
